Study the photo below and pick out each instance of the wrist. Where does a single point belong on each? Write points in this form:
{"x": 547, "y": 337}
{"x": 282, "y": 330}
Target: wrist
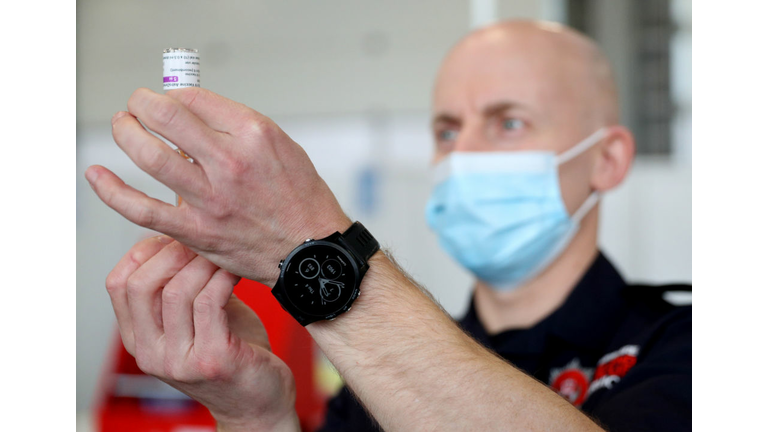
{"x": 385, "y": 292}
{"x": 296, "y": 237}
{"x": 288, "y": 423}
{"x": 316, "y": 229}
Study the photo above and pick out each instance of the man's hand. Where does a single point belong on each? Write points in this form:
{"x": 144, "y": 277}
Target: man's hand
{"x": 179, "y": 319}
{"x": 251, "y": 196}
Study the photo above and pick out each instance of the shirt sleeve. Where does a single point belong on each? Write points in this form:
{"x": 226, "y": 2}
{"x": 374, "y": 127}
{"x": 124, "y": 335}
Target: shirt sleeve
{"x": 345, "y": 414}
{"x": 656, "y": 394}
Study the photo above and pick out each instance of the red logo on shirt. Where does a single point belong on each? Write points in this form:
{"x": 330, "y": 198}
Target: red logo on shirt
{"x": 616, "y": 367}
{"x": 613, "y": 367}
{"x": 576, "y": 383}
{"x": 571, "y": 382}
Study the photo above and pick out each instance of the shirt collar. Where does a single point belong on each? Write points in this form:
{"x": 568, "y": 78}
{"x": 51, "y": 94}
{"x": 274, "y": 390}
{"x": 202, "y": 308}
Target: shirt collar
{"x": 587, "y": 318}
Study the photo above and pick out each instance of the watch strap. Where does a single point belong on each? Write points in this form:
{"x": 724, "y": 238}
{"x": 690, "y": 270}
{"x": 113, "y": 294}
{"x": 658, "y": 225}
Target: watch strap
{"x": 359, "y": 241}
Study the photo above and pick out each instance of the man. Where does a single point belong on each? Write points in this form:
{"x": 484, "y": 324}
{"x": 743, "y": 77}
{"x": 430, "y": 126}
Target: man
{"x": 525, "y": 120}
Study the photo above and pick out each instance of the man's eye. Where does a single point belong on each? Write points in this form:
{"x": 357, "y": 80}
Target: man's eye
{"x": 513, "y": 124}
{"x": 447, "y": 135}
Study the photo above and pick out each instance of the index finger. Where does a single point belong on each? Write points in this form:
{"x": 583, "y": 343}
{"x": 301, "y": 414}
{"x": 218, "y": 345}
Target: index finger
{"x": 117, "y": 283}
{"x": 218, "y": 112}
{"x": 171, "y": 119}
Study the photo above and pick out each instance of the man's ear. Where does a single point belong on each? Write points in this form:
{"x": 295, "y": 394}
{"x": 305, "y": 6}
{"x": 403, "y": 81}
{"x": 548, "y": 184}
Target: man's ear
{"x": 614, "y": 158}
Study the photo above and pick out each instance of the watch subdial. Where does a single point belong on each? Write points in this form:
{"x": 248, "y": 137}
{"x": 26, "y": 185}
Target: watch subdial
{"x": 330, "y": 290}
{"x": 309, "y": 268}
{"x": 331, "y": 269}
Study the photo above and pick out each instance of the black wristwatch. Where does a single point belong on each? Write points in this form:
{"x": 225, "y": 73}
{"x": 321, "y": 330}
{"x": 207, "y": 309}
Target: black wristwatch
{"x": 320, "y": 279}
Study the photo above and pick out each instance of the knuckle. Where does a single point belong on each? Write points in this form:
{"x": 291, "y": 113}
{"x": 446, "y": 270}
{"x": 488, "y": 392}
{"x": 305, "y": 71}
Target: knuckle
{"x": 156, "y": 160}
{"x": 235, "y": 166}
{"x": 211, "y": 369}
{"x": 138, "y": 256}
{"x": 261, "y": 128}
{"x": 188, "y": 95}
{"x": 176, "y": 371}
{"x": 218, "y": 204}
{"x": 254, "y": 126}
{"x": 204, "y": 304}
{"x": 270, "y": 130}
{"x": 114, "y": 283}
{"x": 144, "y": 216}
{"x": 145, "y": 362}
{"x": 171, "y": 296}
{"x": 137, "y": 97}
{"x": 164, "y": 110}
{"x": 136, "y": 285}
{"x": 219, "y": 208}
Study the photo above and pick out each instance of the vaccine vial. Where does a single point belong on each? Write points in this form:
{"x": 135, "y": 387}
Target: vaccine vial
{"x": 181, "y": 68}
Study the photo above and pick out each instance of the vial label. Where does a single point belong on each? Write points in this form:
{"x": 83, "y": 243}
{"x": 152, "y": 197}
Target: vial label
{"x": 181, "y": 69}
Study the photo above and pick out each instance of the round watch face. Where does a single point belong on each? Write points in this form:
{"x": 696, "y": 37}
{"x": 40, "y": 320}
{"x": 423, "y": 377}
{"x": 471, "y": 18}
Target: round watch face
{"x": 319, "y": 279}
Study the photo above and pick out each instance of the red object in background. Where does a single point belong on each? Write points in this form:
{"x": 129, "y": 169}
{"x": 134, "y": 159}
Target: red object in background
{"x": 289, "y": 341}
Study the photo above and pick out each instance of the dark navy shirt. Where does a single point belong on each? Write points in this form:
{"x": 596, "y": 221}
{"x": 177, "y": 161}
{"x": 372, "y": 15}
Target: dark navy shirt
{"x": 619, "y": 352}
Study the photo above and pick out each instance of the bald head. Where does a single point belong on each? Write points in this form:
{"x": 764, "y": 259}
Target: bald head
{"x": 559, "y": 62}
{"x": 525, "y": 85}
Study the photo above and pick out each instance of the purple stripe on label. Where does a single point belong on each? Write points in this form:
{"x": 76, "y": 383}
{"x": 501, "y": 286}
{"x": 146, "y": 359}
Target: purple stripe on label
{"x": 170, "y": 79}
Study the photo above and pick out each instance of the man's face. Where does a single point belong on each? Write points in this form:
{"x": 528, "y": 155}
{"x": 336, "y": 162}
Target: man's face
{"x": 527, "y": 92}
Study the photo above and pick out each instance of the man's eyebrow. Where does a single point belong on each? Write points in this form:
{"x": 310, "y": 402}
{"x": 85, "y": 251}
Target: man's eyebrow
{"x": 445, "y": 118}
{"x": 489, "y": 111}
{"x": 499, "y": 107}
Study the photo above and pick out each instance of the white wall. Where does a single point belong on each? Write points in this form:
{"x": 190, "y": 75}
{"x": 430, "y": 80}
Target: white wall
{"x": 350, "y": 80}
{"x": 281, "y": 57}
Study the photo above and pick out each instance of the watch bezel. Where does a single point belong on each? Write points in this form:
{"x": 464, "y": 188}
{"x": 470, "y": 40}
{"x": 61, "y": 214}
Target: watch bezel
{"x": 342, "y": 308}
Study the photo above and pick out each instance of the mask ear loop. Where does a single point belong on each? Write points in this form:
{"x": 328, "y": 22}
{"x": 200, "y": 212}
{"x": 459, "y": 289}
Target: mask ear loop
{"x": 582, "y": 146}
{"x": 582, "y": 211}
{"x": 571, "y": 153}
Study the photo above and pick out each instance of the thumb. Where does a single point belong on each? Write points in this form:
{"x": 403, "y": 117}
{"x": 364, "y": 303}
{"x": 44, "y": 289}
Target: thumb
{"x": 245, "y": 324}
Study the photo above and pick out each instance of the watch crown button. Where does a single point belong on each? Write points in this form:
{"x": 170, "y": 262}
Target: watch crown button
{"x": 308, "y": 240}
{"x": 281, "y": 264}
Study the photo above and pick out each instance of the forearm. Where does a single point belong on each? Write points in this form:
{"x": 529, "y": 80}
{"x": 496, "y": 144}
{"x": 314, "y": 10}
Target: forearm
{"x": 415, "y": 369}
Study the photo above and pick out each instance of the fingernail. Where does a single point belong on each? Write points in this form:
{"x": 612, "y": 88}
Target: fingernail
{"x": 164, "y": 239}
{"x": 91, "y": 175}
{"x": 117, "y": 116}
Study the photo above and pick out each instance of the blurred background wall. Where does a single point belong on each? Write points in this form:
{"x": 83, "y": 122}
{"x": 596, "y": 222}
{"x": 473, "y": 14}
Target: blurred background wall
{"x": 351, "y": 81}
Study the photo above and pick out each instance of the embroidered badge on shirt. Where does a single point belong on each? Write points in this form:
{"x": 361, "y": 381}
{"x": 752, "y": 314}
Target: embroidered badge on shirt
{"x": 612, "y": 367}
{"x": 571, "y": 381}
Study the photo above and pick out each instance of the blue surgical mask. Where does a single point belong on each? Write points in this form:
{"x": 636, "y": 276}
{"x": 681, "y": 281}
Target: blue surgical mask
{"x": 501, "y": 214}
